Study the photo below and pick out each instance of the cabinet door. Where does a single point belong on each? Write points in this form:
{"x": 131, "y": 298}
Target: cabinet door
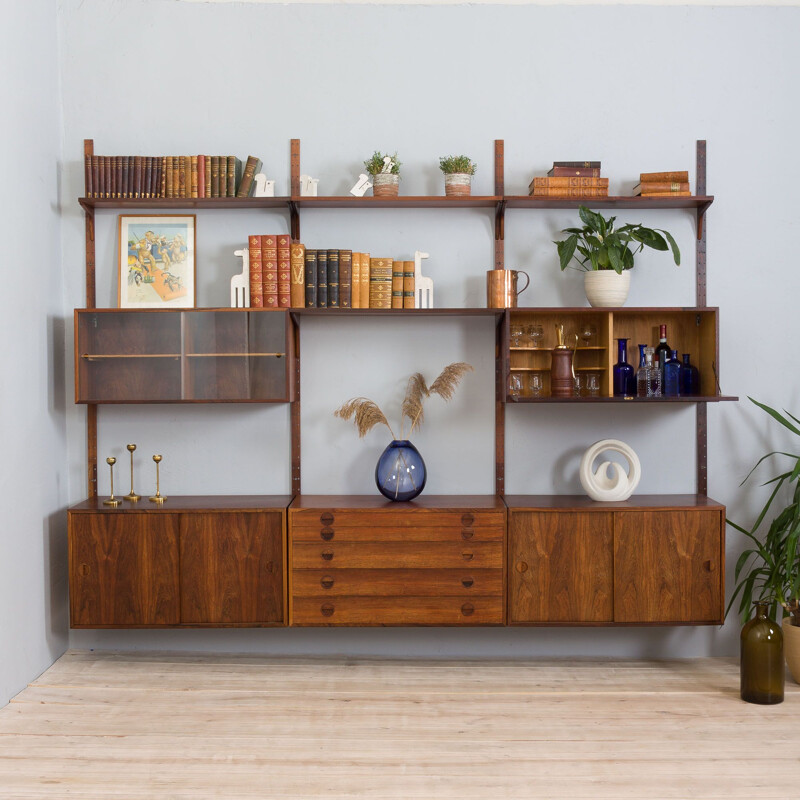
{"x": 560, "y": 567}
{"x": 123, "y": 569}
{"x": 667, "y": 566}
{"x": 232, "y": 568}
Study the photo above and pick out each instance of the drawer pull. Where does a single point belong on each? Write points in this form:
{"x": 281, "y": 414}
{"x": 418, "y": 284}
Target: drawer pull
{"x": 270, "y": 567}
{"x": 710, "y": 566}
{"x": 467, "y": 534}
{"x": 522, "y": 566}
{"x": 467, "y": 582}
{"x": 327, "y": 582}
{"x": 327, "y": 555}
{"x": 85, "y": 570}
{"x": 326, "y": 534}
{"x": 468, "y": 609}
{"x": 326, "y": 609}
{"x": 467, "y": 556}
{"x": 467, "y": 520}
{"x": 326, "y": 518}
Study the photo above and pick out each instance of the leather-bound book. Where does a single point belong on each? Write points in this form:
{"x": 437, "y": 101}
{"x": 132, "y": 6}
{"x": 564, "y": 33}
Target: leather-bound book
{"x": 107, "y": 170}
{"x": 355, "y": 280}
{"x": 380, "y": 283}
{"x": 577, "y": 164}
{"x": 575, "y": 172}
{"x": 567, "y": 191}
{"x": 256, "y": 291}
{"x": 137, "y": 177}
{"x": 409, "y": 301}
{"x": 193, "y": 180}
{"x": 322, "y": 278}
{"x": 568, "y": 182}
{"x": 170, "y": 174}
{"x": 118, "y": 176}
{"x": 269, "y": 268}
{"x": 127, "y": 166}
{"x": 297, "y": 261}
{"x": 284, "y": 271}
{"x": 397, "y": 284}
{"x": 208, "y": 176}
{"x": 311, "y": 278}
{"x": 182, "y": 176}
{"x": 345, "y": 278}
{"x": 333, "y": 279}
{"x": 201, "y": 176}
{"x": 234, "y": 175}
{"x": 684, "y": 193}
{"x": 669, "y": 187}
{"x": 88, "y": 189}
{"x": 215, "y": 176}
{"x": 248, "y": 184}
{"x": 148, "y": 176}
{"x": 681, "y": 176}
{"x": 223, "y": 176}
{"x": 363, "y": 295}
{"x": 96, "y": 176}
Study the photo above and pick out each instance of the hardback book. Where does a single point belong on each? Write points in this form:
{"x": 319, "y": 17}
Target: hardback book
{"x": 162, "y": 176}
{"x": 248, "y": 185}
{"x": 137, "y": 177}
{"x": 663, "y": 194}
{"x": 311, "y": 278}
{"x": 397, "y": 284}
{"x": 355, "y": 281}
{"x": 125, "y": 176}
{"x": 234, "y": 175}
{"x": 409, "y": 287}
{"x": 256, "y": 281}
{"x": 363, "y": 295}
{"x": 88, "y": 190}
{"x": 566, "y": 191}
{"x": 269, "y": 269}
{"x": 148, "y": 176}
{"x": 118, "y": 176}
{"x": 575, "y": 172}
{"x": 380, "y": 283}
{"x": 208, "y": 176}
{"x": 661, "y": 186}
{"x": 96, "y": 176}
{"x": 680, "y": 176}
{"x": 333, "y": 279}
{"x": 576, "y": 164}
{"x": 107, "y": 170}
{"x": 322, "y": 278}
{"x": 568, "y": 182}
{"x": 284, "y": 271}
{"x": 201, "y": 176}
{"x": 345, "y": 278}
{"x": 297, "y": 260}
{"x": 182, "y": 176}
{"x": 223, "y": 176}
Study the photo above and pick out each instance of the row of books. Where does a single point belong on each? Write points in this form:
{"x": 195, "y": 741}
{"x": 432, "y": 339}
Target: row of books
{"x": 663, "y": 184}
{"x": 286, "y": 274}
{"x": 571, "y": 179}
{"x": 146, "y": 177}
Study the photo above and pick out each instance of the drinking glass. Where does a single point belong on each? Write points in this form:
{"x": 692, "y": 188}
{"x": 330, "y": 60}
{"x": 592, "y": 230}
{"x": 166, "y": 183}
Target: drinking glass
{"x": 515, "y": 384}
{"x": 535, "y": 334}
{"x": 588, "y": 334}
{"x": 593, "y": 384}
{"x": 579, "y": 381}
{"x": 516, "y": 335}
{"x": 537, "y": 384}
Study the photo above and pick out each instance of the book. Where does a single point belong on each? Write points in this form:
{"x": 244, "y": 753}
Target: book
{"x": 234, "y": 175}
{"x": 661, "y": 186}
{"x": 345, "y": 278}
{"x": 201, "y": 176}
{"x": 333, "y": 279}
{"x": 107, "y": 171}
{"x": 363, "y": 295}
{"x": 380, "y": 283}
{"x": 88, "y": 190}
{"x": 355, "y": 281}
{"x": 397, "y": 284}
{"x": 162, "y": 176}
{"x": 284, "y": 271}
{"x": 681, "y": 176}
{"x": 568, "y": 182}
{"x": 193, "y": 180}
{"x": 576, "y": 164}
{"x": 126, "y": 161}
{"x": 137, "y": 177}
{"x": 576, "y": 172}
{"x": 182, "y": 176}
{"x": 118, "y": 175}
{"x": 256, "y": 282}
{"x": 322, "y": 278}
{"x": 248, "y": 185}
{"x": 409, "y": 285}
{"x": 208, "y": 176}
{"x": 269, "y": 269}
{"x": 215, "y": 176}
{"x": 223, "y": 176}
{"x": 170, "y": 176}
{"x": 95, "y": 176}
{"x": 566, "y": 191}
{"x": 311, "y": 278}
{"x": 297, "y": 261}
{"x": 664, "y": 194}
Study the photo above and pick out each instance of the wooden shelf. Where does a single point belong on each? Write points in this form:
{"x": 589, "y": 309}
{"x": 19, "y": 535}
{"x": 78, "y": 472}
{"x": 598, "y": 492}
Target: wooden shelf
{"x": 645, "y": 400}
{"x": 414, "y": 201}
{"x": 90, "y": 203}
{"x": 402, "y": 312}
{"x": 624, "y": 201}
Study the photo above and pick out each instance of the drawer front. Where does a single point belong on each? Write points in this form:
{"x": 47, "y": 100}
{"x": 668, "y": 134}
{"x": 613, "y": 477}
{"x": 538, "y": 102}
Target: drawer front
{"x": 397, "y": 555}
{"x": 457, "y": 610}
{"x": 396, "y": 582}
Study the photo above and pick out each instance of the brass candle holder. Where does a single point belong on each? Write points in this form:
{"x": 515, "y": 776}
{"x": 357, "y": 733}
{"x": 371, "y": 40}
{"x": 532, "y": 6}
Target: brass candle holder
{"x": 157, "y": 497}
{"x": 132, "y": 496}
{"x": 112, "y": 501}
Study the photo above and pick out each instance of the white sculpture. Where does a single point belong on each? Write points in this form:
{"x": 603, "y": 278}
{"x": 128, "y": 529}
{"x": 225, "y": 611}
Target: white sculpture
{"x": 387, "y": 165}
{"x": 609, "y": 482}
{"x": 361, "y": 186}
{"x": 240, "y": 284}
{"x": 423, "y": 287}
{"x": 308, "y": 186}
{"x": 264, "y": 188}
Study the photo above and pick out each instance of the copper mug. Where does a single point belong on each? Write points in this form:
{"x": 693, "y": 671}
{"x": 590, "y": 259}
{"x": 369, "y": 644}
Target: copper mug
{"x": 501, "y": 287}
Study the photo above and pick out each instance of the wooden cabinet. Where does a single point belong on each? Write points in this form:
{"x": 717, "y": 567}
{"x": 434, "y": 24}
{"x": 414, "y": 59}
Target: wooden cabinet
{"x": 649, "y": 560}
{"x": 195, "y": 561}
{"x": 368, "y": 561}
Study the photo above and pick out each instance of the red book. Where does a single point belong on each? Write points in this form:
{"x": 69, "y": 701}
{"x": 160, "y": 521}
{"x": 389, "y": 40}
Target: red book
{"x": 284, "y": 272}
{"x": 256, "y": 292}
{"x": 269, "y": 270}
{"x": 201, "y": 176}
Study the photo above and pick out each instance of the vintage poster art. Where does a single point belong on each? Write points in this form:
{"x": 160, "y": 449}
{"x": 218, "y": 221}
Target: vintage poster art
{"x": 157, "y": 261}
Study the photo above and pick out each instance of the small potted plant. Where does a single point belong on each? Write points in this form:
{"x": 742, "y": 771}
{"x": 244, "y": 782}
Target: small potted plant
{"x": 606, "y": 254}
{"x": 385, "y": 172}
{"x": 458, "y": 172}
{"x": 769, "y": 570}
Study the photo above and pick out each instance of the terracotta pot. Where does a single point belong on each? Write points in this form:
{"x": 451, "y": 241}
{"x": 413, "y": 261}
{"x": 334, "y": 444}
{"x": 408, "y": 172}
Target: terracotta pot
{"x": 605, "y": 288}
{"x": 791, "y": 647}
{"x": 457, "y": 184}
{"x": 385, "y": 184}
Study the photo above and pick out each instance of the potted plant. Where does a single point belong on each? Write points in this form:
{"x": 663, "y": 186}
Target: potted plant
{"x": 458, "y": 172}
{"x": 385, "y": 171}
{"x": 770, "y": 568}
{"x": 400, "y": 473}
{"x": 606, "y": 254}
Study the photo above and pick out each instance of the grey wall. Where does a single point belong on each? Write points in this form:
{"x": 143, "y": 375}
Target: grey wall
{"x": 633, "y": 86}
{"x": 33, "y": 586}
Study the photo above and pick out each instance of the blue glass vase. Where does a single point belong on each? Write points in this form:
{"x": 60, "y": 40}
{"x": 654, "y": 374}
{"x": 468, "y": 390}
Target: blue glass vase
{"x": 624, "y": 376}
{"x": 400, "y": 473}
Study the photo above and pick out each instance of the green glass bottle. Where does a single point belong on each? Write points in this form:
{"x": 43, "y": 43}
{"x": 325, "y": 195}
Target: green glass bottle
{"x": 761, "y": 666}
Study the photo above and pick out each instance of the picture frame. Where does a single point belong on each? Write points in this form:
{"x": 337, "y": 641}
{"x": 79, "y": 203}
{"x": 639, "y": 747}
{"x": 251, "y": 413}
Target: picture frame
{"x": 156, "y": 261}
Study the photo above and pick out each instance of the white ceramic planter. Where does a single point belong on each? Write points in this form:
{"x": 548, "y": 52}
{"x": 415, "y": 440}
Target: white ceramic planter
{"x": 457, "y": 184}
{"x": 605, "y": 288}
{"x": 385, "y": 184}
{"x": 791, "y": 647}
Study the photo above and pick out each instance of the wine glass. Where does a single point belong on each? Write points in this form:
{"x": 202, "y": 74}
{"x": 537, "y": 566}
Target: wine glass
{"x": 515, "y": 384}
{"x": 588, "y": 334}
{"x": 537, "y": 384}
{"x": 535, "y": 334}
{"x": 516, "y": 335}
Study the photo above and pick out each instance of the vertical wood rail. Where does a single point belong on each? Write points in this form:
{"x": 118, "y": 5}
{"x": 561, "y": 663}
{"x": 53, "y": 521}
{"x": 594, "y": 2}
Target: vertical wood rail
{"x": 501, "y": 350}
{"x": 295, "y": 405}
{"x": 294, "y": 189}
{"x": 500, "y": 211}
{"x": 91, "y": 300}
{"x": 701, "y": 409}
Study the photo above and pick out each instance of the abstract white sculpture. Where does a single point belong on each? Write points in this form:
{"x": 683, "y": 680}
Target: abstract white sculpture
{"x": 240, "y": 284}
{"x": 264, "y": 188}
{"x": 387, "y": 165}
{"x": 609, "y": 482}
{"x": 423, "y": 287}
{"x": 308, "y": 186}
{"x": 361, "y": 186}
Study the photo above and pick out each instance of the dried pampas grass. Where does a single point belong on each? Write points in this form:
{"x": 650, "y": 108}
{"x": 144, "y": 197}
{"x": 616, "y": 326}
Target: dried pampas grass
{"x": 445, "y": 385}
{"x": 366, "y": 413}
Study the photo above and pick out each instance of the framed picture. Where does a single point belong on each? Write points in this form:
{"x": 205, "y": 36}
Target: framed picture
{"x": 156, "y": 261}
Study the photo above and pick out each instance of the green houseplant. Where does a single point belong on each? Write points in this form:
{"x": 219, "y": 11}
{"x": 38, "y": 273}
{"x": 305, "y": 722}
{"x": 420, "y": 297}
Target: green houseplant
{"x": 603, "y": 252}
{"x": 769, "y": 569}
{"x": 385, "y": 174}
{"x": 458, "y": 172}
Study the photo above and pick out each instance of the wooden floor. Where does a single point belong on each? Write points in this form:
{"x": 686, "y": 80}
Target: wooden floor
{"x": 156, "y": 726}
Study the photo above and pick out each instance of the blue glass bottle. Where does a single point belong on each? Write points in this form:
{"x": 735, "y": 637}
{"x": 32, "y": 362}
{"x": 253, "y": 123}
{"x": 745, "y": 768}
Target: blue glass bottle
{"x": 672, "y": 375}
{"x": 690, "y": 378}
{"x": 624, "y": 376}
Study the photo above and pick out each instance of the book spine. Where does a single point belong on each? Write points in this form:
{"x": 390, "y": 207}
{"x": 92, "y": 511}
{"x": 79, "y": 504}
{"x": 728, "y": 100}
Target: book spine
{"x": 256, "y": 282}
{"x": 380, "y": 283}
{"x": 234, "y": 175}
{"x": 118, "y": 176}
{"x": 201, "y": 176}
{"x": 397, "y": 284}
{"x": 661, "y": 186}
{"x": 322, "y": 278}
{"x": 355, "y": 280}
{"x": 563, "y": 191}
{"x": 680, "y": 176}
{"x": 269, "y": 266}
{"x": 284, "y": 272}
{"x": 96, "y": 176}
{"x": 570, "y": 182}
{"x": 311, "y": 278}
{"x": 247, "y": 185}
{"x": 148, "y": 177}
{"x": 664, "y": 194}
{"x": 208, "y": 176}
{"x": 125, "y": 177}
{"x": 193, "y": 184}
{"x": 409, "y": 299}
{"x": 297, "y": 260}
{"x": 575, "y": 172}
{"x": 215, "y": 176}
{"x": 182, "y": 176}
{"x": 137, "y": 177}
{"x": 87, "y": 176}
{"x": 333, "y": 279}
{"x": 170, "y": 185}
{"x": 107, "y": 171}
{"x": 574, "y": 164}
{"x": 363, "y": 295}
{"x": 345, "y": 278}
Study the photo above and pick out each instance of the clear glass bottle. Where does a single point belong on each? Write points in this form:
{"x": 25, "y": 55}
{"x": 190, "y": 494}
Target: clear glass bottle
{"x": 662, "y": 350}
{"x": 624, "y": 376}
{"x": 690, "y": 378}
{"x": 648, "y": 378}
{"x": 672, "y": 376}
{"x": 761, "y": 666}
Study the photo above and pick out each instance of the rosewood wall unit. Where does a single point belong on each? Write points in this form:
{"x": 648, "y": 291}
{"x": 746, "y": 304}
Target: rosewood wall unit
{"x": 195, "y": 561}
